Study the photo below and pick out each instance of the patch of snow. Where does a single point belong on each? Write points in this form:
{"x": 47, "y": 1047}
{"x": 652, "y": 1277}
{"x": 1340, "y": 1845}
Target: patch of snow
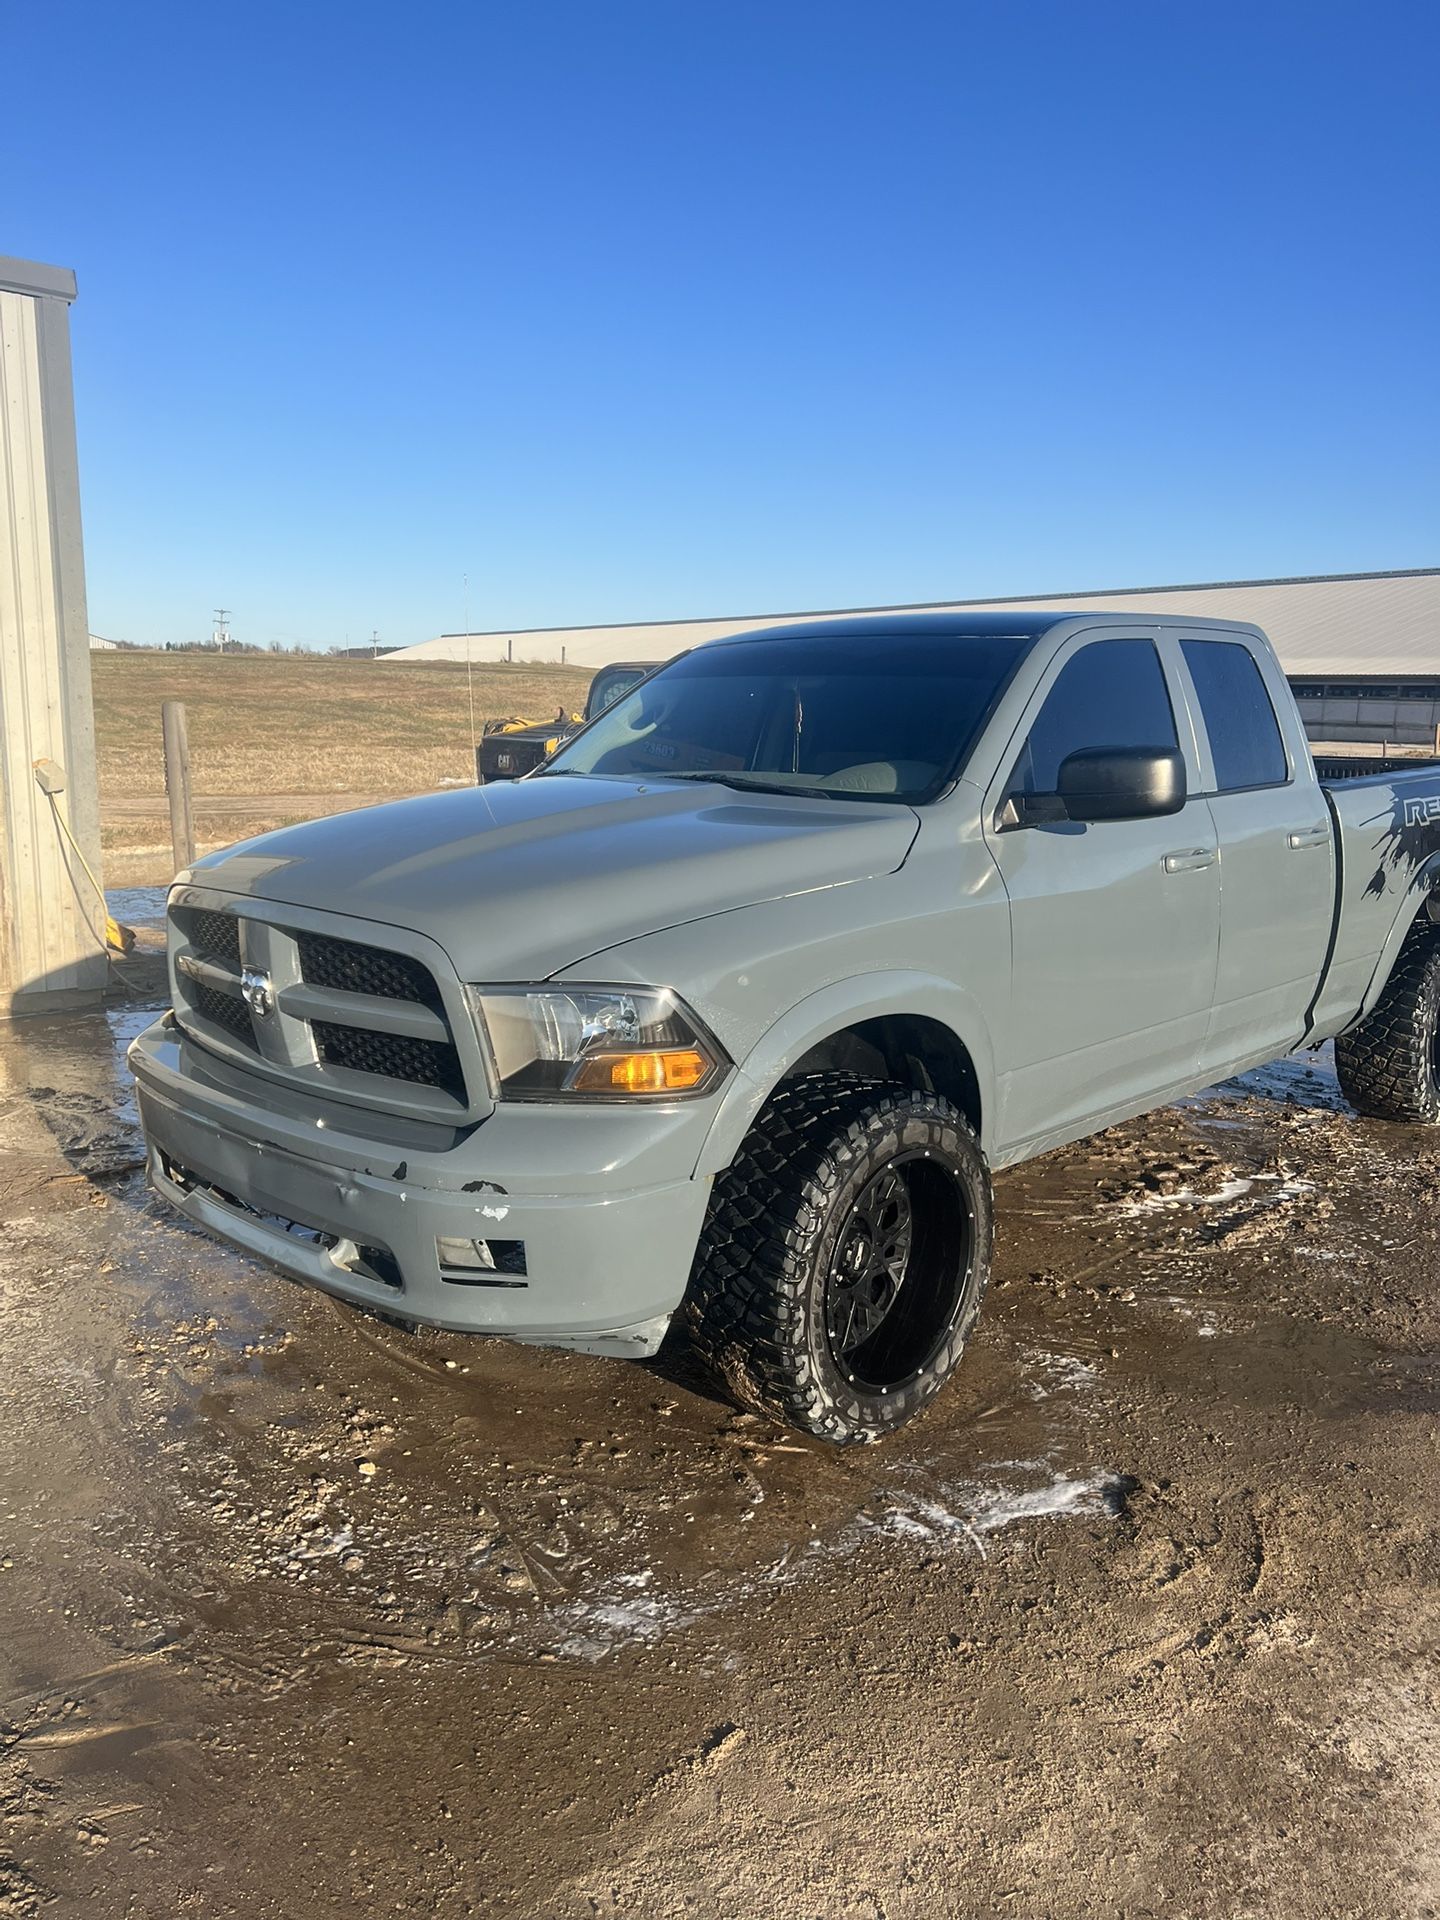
{"x": 1062, "y": 1373}
{"x": 1237, "y": 1187}
{"x": 1066, "y": 1493}
{"x": 974, "y": 1512}
{"x": 626, "y": 1612}
{"x": 1207, "y": 1327}
{"x": 620, "y": 1615}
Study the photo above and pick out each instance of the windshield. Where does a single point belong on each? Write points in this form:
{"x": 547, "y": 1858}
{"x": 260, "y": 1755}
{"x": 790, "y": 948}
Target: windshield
{"x": 874, "y": 715}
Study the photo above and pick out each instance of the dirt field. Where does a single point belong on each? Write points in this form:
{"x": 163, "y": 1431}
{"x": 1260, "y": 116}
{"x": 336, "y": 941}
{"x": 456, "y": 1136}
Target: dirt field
{"x": 306, "y": 1615}
{"x": 261, "y": 725}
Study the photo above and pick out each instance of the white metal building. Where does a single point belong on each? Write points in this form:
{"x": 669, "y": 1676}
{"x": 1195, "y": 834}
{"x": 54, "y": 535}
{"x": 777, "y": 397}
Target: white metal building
{"x": 1331, "y": 624}
{"x": 51, "y": 920}
{"x": 1362, "y": 649}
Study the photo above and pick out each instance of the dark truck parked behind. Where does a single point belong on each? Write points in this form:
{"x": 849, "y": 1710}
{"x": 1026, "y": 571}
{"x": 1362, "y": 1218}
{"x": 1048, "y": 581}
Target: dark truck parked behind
{"x": 729, "y": 1009}
{"x": 510, "y": 748}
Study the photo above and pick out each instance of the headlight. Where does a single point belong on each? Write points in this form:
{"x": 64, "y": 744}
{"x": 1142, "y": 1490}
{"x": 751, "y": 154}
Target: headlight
{"x": 597, "y": 1043}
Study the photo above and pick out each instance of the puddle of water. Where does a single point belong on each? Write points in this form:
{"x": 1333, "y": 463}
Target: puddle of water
{"x": 1301, "y": 1079}
{"x": 70, "y": 1070}
{"x": 142, "y": 908}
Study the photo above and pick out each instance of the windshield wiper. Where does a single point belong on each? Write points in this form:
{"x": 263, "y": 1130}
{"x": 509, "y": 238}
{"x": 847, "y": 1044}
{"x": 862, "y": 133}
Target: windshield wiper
{"x": 740, "y": 782}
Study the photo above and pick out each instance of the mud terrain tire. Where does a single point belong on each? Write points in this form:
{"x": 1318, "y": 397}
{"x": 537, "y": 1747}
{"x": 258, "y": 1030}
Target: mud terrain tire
{"x": 1387, "y": 1065}
{"x": 844, "y": 1257}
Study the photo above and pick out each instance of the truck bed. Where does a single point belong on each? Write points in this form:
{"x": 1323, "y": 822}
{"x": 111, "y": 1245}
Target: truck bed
{"x": 1386, "y": 813}
{"x": 1331, "y": 767}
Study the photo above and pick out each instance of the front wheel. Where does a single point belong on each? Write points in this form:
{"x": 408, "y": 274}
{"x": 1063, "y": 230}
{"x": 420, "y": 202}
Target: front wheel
{"x": 844, "y": 1257}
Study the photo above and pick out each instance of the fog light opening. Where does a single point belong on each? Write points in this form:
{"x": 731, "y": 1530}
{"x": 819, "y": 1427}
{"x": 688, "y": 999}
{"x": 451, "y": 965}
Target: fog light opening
{"x": 481, "y": 1263}
{"x": 464, "y": 1253}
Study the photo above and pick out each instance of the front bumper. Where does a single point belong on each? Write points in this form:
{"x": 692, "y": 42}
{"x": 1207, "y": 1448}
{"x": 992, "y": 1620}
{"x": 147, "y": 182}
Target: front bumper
{"x": 603, "y": 1260}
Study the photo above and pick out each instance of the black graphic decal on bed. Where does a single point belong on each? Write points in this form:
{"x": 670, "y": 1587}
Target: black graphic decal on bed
{"x": 1412, "y": 836}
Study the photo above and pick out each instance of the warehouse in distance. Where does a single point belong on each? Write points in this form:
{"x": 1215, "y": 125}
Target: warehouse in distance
{"x": 1362, "y": 650}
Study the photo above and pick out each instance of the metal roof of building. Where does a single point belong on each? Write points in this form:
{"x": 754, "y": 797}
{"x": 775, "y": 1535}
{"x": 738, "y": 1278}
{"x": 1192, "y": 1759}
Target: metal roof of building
{"x": 1327, "y": 624}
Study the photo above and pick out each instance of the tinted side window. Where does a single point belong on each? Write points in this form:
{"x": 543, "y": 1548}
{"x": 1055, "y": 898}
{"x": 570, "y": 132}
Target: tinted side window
{"x": 1112, "y": 694}
{"x": 1245, "y": 741}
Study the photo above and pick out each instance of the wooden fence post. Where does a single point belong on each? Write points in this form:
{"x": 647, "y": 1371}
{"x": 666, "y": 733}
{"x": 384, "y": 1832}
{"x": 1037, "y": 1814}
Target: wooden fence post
{"x": 177, "y": 782}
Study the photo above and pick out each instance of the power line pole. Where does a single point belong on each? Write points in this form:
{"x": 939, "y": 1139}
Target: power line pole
{"x": 222, "y": 621}
{"x": 374, "y": 643}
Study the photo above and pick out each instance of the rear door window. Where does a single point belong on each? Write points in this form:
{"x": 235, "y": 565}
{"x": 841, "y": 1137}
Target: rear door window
{"x": 1112, "y": 693}
{"x": 1245, "y": 741}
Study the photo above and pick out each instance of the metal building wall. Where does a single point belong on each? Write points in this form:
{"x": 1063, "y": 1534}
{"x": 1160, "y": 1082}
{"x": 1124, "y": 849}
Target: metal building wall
{"x": 1335, "y": 624}
{"x": 1379, "y": 716}
{"x": 50, "y": 921}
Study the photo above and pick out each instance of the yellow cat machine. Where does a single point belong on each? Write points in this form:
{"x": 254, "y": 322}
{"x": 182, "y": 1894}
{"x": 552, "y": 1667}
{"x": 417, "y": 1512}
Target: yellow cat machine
{"x": 509, "y": 748}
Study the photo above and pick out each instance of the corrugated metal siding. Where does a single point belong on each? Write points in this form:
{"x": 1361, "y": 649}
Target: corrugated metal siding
{"x": 47, "y": 926}
{"x": 1360, "y": 623}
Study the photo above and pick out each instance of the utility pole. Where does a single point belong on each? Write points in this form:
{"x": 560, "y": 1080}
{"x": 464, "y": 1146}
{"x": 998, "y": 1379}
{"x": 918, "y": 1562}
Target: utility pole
{"x": 222, "y": 621}
{"x": 374, "y": 643}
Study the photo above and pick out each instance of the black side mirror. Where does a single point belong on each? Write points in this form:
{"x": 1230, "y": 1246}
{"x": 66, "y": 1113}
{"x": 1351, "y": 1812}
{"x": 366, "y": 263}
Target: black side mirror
{"x": 1122, "y": 783}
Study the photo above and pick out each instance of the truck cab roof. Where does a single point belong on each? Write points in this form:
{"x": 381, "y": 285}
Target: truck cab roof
{"x": 1027, "y": 623}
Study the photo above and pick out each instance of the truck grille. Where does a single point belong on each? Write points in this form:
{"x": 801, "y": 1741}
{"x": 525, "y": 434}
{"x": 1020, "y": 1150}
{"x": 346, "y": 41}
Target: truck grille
{"x": 217, "y": 935}
{"x": 327, "y": 962}
{"x": 425, "y": 1063}
{"x": 313, "y": 1022}
{"x": 226, "y": 1011}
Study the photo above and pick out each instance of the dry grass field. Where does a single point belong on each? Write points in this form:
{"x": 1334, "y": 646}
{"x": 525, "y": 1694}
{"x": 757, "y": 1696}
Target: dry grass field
{"x": 262, "y": 725}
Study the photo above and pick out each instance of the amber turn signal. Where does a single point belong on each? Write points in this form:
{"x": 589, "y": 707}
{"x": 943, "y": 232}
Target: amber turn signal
{"x": 668, "y": 1070}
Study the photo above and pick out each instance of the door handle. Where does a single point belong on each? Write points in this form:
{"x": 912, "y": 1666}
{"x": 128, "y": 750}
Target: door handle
{"x": 1309, "y": 837}
{"x": 1189, "y": 860}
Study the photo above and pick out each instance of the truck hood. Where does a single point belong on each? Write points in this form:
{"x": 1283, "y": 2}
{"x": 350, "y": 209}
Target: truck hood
{"x": 518, "y": 879}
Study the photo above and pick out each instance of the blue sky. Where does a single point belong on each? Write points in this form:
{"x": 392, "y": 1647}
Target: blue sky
{"x": 672, "y": 307}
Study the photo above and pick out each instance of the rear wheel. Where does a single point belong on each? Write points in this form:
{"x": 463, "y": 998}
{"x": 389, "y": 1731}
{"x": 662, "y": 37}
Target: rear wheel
{"x": 1388, "y": 1066}
{"x": 844, "y": 1256}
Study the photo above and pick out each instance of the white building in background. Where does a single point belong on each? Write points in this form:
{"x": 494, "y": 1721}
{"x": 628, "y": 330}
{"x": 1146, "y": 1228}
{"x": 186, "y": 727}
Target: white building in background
{"x": 1331, "y": 624}
{"x": 1361, "y": 649}
{"x": 99, "y": 644}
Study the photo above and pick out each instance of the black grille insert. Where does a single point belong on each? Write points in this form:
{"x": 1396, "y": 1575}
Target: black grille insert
{"x": 350, "y": 967}
{"x": 224, "y": 1009}
{"x": 427, "y": 1063}
{"x": 216, "y": 935}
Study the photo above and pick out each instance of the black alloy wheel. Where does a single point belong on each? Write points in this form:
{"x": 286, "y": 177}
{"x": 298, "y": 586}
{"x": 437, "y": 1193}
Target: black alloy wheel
{"x": 844, "y": 1256}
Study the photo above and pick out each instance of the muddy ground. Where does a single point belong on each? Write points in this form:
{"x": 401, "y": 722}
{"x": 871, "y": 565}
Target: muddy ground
{"x": 304, "y": 1615}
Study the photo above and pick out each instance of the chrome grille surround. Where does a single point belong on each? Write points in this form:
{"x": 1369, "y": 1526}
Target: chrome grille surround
{"x": 269, "y": 987}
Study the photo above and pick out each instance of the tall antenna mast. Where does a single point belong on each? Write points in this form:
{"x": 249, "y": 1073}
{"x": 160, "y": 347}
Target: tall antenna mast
{"x": 470, "y": 677}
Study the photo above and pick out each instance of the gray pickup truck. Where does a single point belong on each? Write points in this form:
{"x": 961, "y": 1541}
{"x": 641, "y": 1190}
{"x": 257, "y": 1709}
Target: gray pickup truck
{"x": 727, "y": 1012}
